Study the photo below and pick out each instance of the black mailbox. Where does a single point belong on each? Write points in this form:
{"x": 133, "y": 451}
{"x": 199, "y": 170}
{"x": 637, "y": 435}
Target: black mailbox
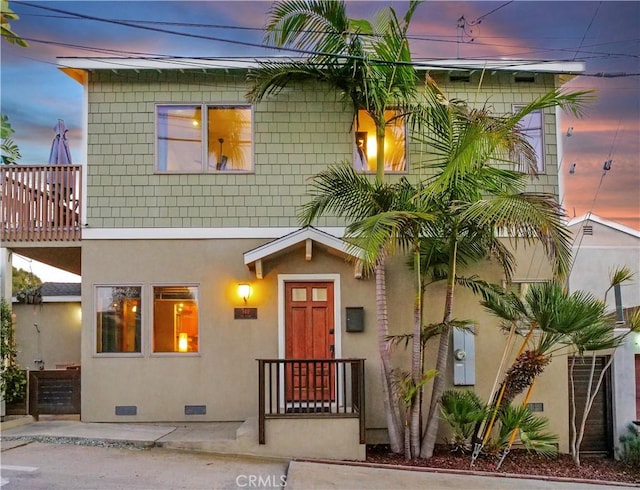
{"x": 355, "y": 319}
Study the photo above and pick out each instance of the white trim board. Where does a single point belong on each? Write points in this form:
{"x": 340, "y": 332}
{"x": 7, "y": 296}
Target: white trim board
{"x": 299, "y": 236}
{"x": 586, "y": 218}
{"x": 89, "y": 233}
{"x": 166, "y": 63}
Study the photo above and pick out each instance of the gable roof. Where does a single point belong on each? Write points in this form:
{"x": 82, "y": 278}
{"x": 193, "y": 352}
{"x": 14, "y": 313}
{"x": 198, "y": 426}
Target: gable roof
{"x": 60, "y": 289}
{"x": 57, "y": 292}
{"x": 605, "y": 222}
{"x": 253, "y": 258}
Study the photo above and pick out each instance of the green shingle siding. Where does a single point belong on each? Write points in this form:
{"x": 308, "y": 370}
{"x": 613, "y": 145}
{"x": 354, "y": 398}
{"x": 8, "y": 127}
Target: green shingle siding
{"x": 296, "y": 136}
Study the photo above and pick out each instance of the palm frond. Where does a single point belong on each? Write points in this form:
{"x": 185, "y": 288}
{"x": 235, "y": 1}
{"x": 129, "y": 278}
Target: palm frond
{"x": 529, "y": 217}
{"x": 309, "y": 25}
{"x": 428, "y": 332}
{"x": 621, "y": 274}
{"x": 532, "y": 429}
{"x": 344, "y": 192}
{"x": 387, "y": 232}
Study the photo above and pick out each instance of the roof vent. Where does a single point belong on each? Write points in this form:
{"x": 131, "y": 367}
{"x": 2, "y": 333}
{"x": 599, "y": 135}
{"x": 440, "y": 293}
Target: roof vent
{"x": 587, "y": 230}
{"x": 460, "y": 77}
{"x": 524, "y": 78}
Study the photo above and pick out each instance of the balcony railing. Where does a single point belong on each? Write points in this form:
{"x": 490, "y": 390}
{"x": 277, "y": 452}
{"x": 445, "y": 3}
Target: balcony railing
{"x": 310, "y": 388}
{"x": 40, "y": 203}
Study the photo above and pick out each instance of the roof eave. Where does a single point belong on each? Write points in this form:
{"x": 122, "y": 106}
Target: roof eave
{"x": 106, "y": 63}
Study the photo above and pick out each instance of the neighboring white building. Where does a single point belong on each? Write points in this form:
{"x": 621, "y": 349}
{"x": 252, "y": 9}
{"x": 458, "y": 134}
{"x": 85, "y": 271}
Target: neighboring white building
{"x": 48, "y": 330}
{"x": 600, "y": 246}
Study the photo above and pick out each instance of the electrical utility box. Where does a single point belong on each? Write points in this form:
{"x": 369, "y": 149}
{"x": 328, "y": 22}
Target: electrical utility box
{"x": 464, "y": 357}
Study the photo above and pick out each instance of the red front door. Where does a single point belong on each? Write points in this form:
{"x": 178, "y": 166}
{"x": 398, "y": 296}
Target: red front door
{"x": 309, "y": 335}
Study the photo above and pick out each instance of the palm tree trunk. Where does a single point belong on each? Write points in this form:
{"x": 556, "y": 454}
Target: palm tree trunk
{"x": 391, "y": 408}
{"x": 416, "y": 360}
{"x": 574, "y": 436}
{"x": 429, "y": 441}
{"x": 380, "y": 128}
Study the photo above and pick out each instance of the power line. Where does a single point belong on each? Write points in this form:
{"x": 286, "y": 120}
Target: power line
{"x": 494, "y": 10}
{"x": 133, "y": 25}
{"x": 587, "y": 30}
{"x": 190, "y": 61}
{"x": 605, "y": 170}
{"x": 438, "y": 38}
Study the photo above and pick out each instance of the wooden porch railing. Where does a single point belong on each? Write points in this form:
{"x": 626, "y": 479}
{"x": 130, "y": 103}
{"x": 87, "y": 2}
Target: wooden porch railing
{"x": 40, "y": 202}
{"x": 310, "y": 388}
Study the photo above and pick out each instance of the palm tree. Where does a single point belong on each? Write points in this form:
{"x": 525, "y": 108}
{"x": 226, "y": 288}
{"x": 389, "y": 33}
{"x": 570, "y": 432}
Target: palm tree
{"x": 561, "y": 320}
{"x": 382, "y": 217}
{"x": 468, "y": 197}
{"x": 594, "y": 339}
{"x": 578, "y": 321}
{"x": 475, "y": 196}
{"x": 370, "y": 66}
{"x": 368, "y": 63}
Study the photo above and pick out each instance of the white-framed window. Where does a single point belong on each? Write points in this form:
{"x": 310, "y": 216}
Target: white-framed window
{"x": 532, "y": 126}
{"x": 365, "y": 147}
{"x": 201, "y": 138}
{"x": 175, "y": 319}
{"x": 118, "y": 319}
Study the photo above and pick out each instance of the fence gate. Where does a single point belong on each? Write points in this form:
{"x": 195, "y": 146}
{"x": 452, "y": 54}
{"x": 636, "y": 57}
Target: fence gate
{"x": 54, "y": 392}
{"x": 598, "y": 434}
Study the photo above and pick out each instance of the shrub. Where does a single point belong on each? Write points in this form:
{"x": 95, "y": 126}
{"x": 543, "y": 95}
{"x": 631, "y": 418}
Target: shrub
{"x": 462, "y": 410}
{"x": 12, "y": 379}
{"x": 630, "y": 453}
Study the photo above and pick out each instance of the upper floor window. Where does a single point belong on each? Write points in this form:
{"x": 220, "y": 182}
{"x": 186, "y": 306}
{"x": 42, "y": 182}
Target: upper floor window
{"x": 118, "y": 313}
{"x": 365, "y": 150}
{"x": 202, "y": 138}
{"x": 175, "y": 319}
{"x": 532, "y": 128}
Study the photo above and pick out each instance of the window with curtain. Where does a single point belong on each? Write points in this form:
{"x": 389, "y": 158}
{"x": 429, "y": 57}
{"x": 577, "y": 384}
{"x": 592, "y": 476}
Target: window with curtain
{"x": 532, "y": 128}
{"x": 204, "y": 139}
{"x": 365, "y": 148}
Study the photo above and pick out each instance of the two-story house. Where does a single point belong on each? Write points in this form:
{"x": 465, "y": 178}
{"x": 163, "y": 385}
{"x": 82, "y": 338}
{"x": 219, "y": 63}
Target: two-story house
{"x": 199, "y": 286}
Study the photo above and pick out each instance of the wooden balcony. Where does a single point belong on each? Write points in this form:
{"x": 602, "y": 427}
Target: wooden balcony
{"x": 310, "y": 388}
{"x": 40, "y": 203}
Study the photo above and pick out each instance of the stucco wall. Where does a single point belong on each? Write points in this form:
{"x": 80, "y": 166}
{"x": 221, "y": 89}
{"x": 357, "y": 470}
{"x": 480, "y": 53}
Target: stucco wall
{"x": 296, "y": 135}
{"x": 624, "y": 386}
{"x": 595, "y": 256}
{"x": 57, "y": 343}
{"x": 224, "y": 374}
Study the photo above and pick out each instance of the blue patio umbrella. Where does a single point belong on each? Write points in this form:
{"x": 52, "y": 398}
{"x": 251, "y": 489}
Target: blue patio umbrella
{"x": 60, "y": 153}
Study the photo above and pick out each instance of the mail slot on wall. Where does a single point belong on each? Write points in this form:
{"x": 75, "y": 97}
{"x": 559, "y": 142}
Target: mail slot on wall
{"x": 355, "y": 319}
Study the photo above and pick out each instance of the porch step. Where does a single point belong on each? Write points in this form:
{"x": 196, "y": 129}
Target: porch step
{"x": 219, "y": 438}
{"x": 229, "y": 438}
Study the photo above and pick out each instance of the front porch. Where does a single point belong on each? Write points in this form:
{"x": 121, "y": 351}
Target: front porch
{"x": 312, "y": 408}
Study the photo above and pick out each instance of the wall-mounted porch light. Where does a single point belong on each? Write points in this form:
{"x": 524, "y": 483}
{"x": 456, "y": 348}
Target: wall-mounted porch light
{"x": 244, "y": 291}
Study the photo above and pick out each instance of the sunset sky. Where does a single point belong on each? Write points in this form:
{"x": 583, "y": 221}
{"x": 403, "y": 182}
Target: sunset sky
{"x": 603, "y": 34}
